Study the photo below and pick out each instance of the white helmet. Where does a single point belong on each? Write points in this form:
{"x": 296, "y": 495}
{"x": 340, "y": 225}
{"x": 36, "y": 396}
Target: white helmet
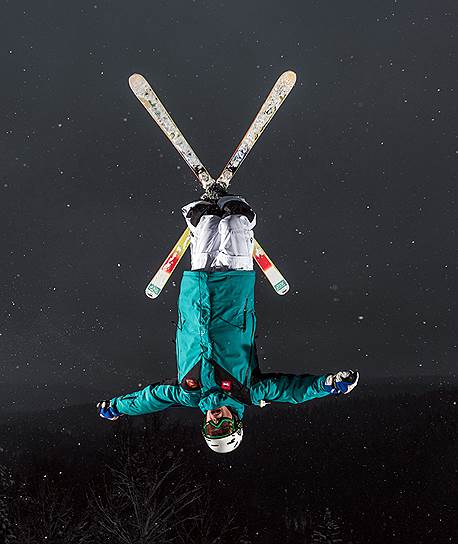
{"x": 224, "y": 442}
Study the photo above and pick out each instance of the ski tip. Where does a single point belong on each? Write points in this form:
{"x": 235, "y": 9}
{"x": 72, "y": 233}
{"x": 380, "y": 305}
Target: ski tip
{"x": 290, "y": 77}
{"x": 284, "y": 290}
{"x": 153, "y": 291}
{"x": 135, "y": 81}
{"x": 282, "y": 287}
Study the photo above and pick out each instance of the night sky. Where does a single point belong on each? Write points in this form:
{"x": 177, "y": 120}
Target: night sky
{"x": 354, "y": 183}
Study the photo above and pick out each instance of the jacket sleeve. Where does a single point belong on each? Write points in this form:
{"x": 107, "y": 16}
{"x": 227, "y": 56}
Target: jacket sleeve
{"x": 153, "y": 398}
{"x": 288, "y": 388}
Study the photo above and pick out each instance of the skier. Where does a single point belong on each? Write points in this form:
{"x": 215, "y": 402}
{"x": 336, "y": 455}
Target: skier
{"x": 218, "y": 369}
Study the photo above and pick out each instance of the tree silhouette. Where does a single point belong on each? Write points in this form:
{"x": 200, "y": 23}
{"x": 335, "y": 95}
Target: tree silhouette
{"x": 149, "y": 497}
{"x": 6, "y": 486}
{"x": 49, "y": 515}
{"x": 327, "y": 531}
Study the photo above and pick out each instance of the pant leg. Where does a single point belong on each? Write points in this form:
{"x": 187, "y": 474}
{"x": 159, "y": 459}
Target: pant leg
{"x": 205, "y": 238}
{"x": 222, "y": 243}
{"x": 236, "y": 244}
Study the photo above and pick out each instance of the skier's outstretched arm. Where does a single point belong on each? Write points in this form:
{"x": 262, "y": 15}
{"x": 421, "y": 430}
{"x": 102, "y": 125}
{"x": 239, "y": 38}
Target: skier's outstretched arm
{"x": 292, "y": 388}
{"x": 297, "y": 388}
{"x": 152, "y": 398}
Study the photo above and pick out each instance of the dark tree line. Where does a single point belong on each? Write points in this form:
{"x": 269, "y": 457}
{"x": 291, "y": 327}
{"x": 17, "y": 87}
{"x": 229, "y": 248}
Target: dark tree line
{"x": 142, "y": 495}
{"x": 344, "y": 471}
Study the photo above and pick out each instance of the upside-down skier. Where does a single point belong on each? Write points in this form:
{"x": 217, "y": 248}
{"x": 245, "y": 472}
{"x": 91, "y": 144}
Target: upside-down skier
{"x": 218, "y": 369}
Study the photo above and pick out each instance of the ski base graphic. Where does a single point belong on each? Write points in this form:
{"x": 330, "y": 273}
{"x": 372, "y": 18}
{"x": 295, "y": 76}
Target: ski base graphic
{"x": 161, "y": 277}
{"x": 272, "y": 273}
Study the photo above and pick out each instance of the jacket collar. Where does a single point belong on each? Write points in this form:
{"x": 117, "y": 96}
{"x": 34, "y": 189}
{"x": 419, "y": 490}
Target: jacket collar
{"x": 215, "y": 398}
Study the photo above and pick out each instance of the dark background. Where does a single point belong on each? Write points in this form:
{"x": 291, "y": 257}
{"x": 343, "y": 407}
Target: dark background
{"x": 354, "y": 183}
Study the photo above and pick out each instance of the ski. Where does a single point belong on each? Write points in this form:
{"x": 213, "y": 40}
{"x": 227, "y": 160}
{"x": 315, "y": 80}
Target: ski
{"x": 274, "y": 100}
{"x": 143, "y": 91}
{"x": 155, "y": 286}
{"x": 156, "y": 109}
{"x": 271, "y": 272}
{"x": 145, "y": 94}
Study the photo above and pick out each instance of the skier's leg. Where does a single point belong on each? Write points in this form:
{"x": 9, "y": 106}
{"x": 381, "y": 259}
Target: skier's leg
{"x": 203, "y": 219}
{"x": 236, "y": 234}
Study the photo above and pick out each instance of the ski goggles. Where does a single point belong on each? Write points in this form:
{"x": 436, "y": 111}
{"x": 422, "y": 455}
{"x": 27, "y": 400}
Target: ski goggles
{"x": 222, "y": 428}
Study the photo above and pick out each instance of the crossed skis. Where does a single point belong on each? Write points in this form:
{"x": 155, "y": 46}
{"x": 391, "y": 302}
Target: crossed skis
{"x": 155, "y": 108}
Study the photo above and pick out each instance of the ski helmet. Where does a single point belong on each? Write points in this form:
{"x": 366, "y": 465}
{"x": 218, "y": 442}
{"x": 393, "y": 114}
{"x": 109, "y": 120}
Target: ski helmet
{"x": 224, "y": 436}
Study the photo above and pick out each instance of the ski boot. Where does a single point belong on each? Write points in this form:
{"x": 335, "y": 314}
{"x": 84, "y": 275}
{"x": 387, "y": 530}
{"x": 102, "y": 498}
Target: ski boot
{"x": 194, "y": 211}
{"x": 214, "y": 191}
{"x": 232, "y": 205}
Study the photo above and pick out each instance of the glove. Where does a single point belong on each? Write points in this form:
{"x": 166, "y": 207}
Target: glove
{"x": 108, "y": 412}
{"x": 342, "y": 382}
